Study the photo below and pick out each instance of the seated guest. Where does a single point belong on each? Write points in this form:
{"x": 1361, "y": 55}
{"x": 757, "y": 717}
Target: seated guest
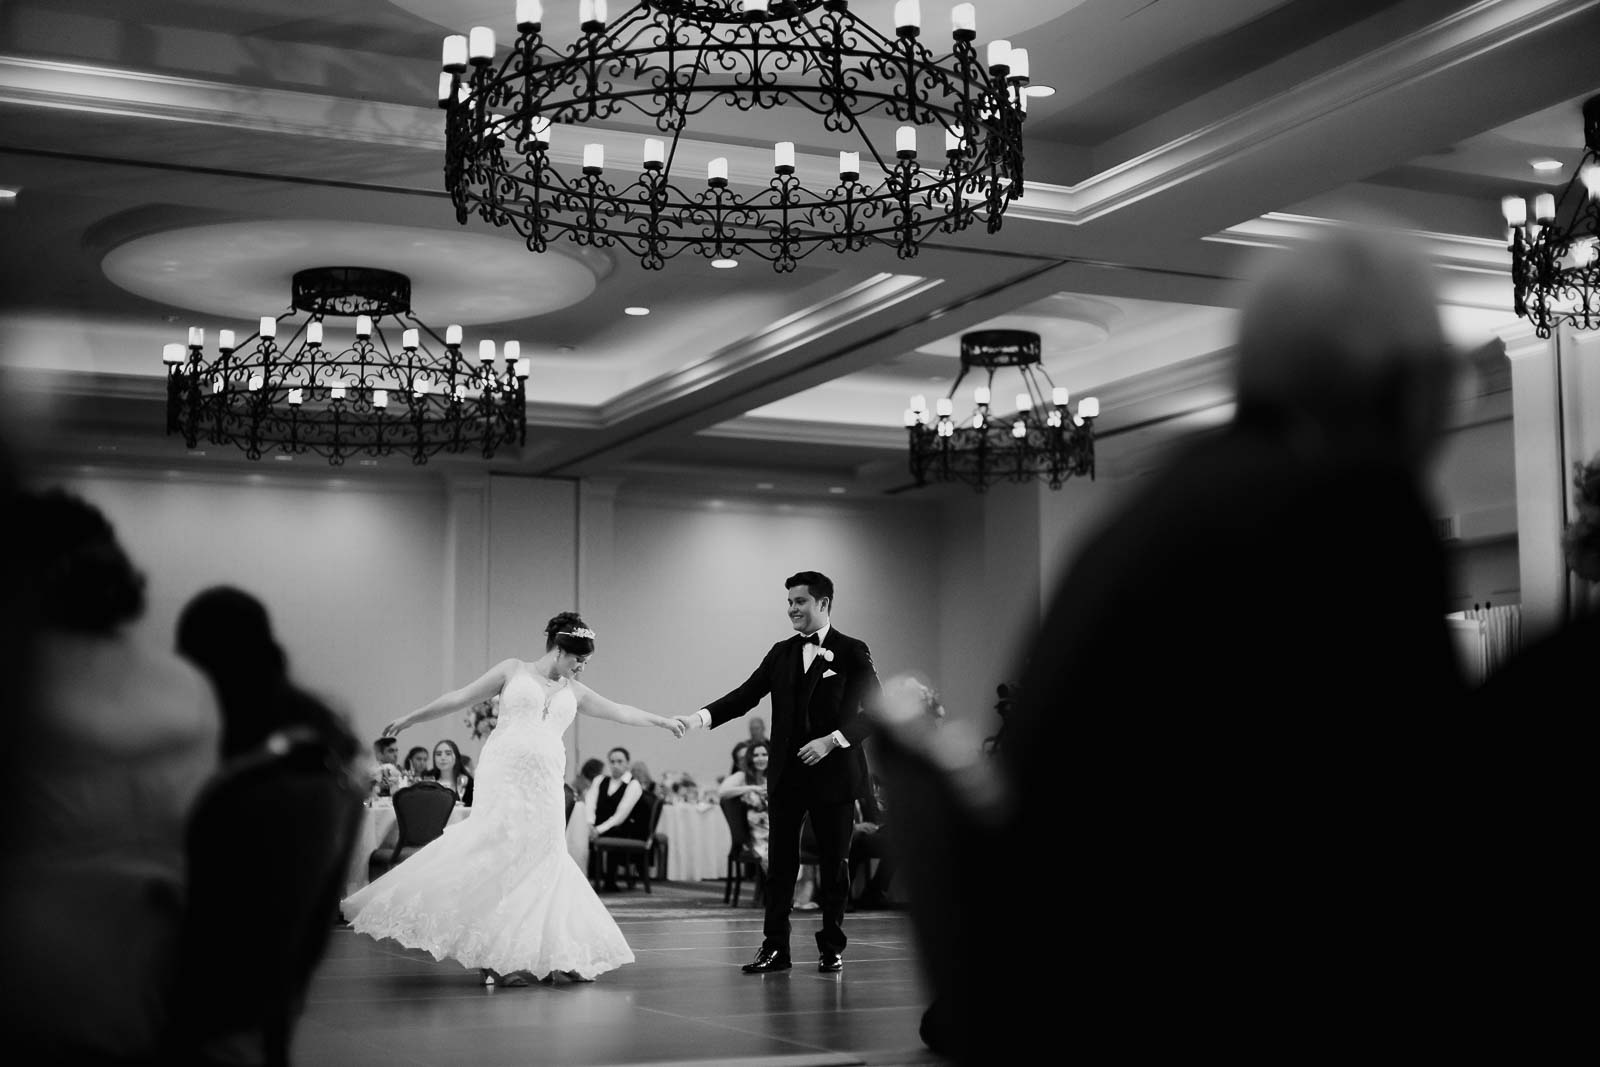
{"x": 592, "y": 769}
{"x": 226, "y": 633}
{"x": 750, "y": 784}
{"x": 613, "y": 806}
{"x": 417, "y": 763}
{"x": 871, "y": 861}
{"x": 386, "y": 750}
{"x": 450, "y": 768}
{"x": 120, "y": 737}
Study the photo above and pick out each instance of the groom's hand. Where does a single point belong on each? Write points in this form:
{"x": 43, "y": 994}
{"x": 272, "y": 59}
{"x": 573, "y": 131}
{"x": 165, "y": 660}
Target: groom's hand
{"x": 690, "y": 722}
{"x": 812, "y": 752}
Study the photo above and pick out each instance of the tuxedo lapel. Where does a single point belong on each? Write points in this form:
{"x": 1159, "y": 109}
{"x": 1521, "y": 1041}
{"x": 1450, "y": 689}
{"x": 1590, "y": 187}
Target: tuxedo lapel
{"x": 808, "y": 684}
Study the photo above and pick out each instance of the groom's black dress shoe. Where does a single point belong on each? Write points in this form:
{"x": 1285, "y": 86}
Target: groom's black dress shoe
{"x": 830, "y": 963}
{"x": 766, "y": 961}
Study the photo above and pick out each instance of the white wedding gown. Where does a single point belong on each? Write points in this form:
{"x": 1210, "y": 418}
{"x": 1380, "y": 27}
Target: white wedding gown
{"x": 500, "y": 889}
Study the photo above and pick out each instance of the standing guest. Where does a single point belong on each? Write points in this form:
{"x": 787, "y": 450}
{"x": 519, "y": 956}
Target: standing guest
{"x": 613, "y": 807}
{"x": 450, "y": 769}
{"x": 1297, "y": 830}
{"x": 226, "y": 633}
{"x": 758, "y": 729}
{"x": 416, "y": 764}
{"x": 819, "y": 680}
{"x": 119, "y": 736}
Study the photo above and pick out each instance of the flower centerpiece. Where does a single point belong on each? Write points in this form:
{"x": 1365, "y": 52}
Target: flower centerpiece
{"x": 386, "y": 779}
{"x": 679, "y": 787}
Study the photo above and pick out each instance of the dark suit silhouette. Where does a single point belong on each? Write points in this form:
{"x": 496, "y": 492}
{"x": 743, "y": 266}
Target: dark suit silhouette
{"x": 807, "y": 705}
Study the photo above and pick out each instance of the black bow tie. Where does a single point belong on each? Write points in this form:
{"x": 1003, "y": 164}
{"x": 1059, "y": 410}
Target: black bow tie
{"x": 814, "y": 639}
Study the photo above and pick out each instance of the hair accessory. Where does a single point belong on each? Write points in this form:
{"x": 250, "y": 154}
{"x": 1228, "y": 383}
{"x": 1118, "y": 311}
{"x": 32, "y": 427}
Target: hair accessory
{"x": 582, "y": 631}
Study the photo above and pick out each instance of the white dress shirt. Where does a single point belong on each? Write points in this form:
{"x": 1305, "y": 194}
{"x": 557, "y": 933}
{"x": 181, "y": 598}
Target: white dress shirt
{"x": 808, "y": 656}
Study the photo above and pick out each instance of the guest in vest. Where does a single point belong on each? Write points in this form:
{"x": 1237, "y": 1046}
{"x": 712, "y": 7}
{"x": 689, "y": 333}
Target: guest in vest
{"x": 614, "y": 808}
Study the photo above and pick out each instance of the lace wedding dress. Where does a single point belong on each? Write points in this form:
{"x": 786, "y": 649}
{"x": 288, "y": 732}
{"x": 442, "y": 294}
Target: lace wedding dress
{"x": 500, "y": 890}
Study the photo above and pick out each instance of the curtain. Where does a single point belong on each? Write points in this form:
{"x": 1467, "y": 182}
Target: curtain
{"x": 1486, "y": 638}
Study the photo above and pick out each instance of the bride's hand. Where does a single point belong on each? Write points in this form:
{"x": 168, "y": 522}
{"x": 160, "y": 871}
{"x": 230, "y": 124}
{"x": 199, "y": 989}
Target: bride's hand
{"x": 673, "y": 726}
{"x": 394, "y": 728}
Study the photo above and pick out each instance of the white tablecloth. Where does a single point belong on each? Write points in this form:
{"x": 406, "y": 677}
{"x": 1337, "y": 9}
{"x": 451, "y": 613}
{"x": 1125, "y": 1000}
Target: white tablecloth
{"x": 377, "y": 824}
{"x": 697, "y": 841}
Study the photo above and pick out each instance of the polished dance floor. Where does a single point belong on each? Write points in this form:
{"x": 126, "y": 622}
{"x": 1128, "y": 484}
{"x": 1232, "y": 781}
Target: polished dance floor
{"x": 683, "y": 1002}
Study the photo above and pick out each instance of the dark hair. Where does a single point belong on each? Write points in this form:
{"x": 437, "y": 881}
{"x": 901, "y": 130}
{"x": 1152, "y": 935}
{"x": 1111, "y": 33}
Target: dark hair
{"x": 593, "y": 768}
{"x": 625, "y": 753}
{"x": 385, "y": 742}
{"x": 413, "y": 752}
{"x": 750, "y": 772}
{"x": 558, "y": 634}
{"x": 76, "y": 575}
{"x": 740, "y": 751}
{"x": 817, "y": 583}
{"x": 460, "y": 764}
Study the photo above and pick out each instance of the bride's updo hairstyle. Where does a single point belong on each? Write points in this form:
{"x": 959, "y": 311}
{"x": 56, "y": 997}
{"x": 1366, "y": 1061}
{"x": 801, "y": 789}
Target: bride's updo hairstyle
{"x": 568, "y": 633}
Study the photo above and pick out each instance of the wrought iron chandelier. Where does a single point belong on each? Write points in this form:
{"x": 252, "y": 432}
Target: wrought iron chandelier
{"x": 509, "y": 122}
{"x": 1042, "y": 439}
{"x": 1555, "y": 244}
{"x": 369, "y": 398}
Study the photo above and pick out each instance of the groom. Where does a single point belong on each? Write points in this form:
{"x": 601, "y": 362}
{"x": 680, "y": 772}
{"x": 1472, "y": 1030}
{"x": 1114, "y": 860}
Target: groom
{"x": 819, "y": 681}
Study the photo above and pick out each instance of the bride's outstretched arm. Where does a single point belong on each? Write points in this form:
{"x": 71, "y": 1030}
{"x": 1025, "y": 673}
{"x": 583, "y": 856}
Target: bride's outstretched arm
{"x": 592, "y": 703}
{"x": 492, "y": 681}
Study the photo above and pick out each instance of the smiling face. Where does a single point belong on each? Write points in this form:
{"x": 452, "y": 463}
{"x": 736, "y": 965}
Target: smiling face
{"x": 759, "y": 757}
{"x": 807, "y": 614}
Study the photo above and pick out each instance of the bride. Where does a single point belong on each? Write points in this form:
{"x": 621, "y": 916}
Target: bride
{"x": 500, "y": 891}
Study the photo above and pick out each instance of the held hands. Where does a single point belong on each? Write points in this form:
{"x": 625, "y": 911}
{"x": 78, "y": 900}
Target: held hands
{"x": 676, "y": 727}
{"x": 689, "y": 722}
{"x": 812, "y": 752}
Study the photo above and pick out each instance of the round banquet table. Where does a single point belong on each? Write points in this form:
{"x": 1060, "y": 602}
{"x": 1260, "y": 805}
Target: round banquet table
{"x": 697, "y": 841}
{"x": 377, "y": 824}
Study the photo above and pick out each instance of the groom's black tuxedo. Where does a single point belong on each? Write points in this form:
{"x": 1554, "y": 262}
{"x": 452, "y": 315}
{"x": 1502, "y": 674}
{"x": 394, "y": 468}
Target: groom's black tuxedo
{"x": 808, "y": 704}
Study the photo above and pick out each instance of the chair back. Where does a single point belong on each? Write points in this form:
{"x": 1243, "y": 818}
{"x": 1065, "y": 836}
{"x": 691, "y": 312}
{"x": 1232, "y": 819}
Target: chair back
{"x": 738, "y": 825}
{"x": 421, "y": 812}
{"x": 572, "y": 801}
{"x": 267, "y": 849}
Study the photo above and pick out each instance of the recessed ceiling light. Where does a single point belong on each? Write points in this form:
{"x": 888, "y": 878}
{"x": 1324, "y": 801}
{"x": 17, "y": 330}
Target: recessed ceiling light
{"x": 564, "y": 349}
{"x": 1545, "y": 164}
{"x": 724, "y": 264}
{"x": 835, "y": 489}
{"x": 1041, "y": 90}
{"x": 636, "y": 311}
{"x": 765, "y": 485}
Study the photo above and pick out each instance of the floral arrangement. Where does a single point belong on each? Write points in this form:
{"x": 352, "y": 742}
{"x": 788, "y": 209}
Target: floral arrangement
{"x": 679, "y": 785}
{"x": 482, "y": 717}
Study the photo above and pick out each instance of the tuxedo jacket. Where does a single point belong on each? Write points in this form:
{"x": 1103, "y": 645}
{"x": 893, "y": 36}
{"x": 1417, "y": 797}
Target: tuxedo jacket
{"x": 807, "y": 705}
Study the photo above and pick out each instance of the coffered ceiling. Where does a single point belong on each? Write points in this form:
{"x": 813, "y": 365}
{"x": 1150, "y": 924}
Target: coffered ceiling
{"x": 177, "y": 159}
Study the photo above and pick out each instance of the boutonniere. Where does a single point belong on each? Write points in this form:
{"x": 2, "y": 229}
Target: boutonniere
{"x": 825, "y": 653}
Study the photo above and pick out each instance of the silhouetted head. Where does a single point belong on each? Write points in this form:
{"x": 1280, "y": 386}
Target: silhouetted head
{"x": 1342, "y": 336}
{"x": 226, "y": 633}
{"x": 75, "y": 573}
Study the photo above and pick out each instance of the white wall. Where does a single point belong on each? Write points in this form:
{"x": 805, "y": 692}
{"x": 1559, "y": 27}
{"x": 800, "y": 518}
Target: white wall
{"x": 351, "y": 571}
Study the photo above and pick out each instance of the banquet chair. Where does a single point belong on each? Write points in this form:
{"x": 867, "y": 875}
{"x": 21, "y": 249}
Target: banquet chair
{"x": 421, "y": 812}
{"x": 742, "y": 860}
{"x": 638, "y": 854}
{"x": 267, "y": 848}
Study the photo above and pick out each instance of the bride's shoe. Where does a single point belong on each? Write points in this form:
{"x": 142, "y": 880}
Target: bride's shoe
{"x": 490, "y": 978}
{"x": 574, "y": 976}
{"x": 517, "y": 978}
